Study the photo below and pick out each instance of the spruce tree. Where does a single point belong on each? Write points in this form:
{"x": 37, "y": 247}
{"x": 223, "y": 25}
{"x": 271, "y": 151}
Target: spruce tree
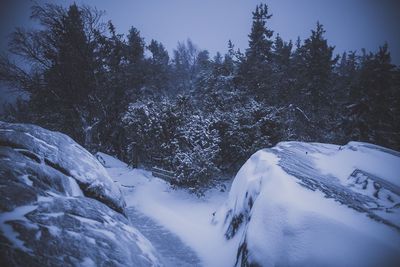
{"x": 256, "y": 69}
{"x": 135, "y": 46}
{"x": 373, "y": 106}
{"x": 158, "y": 76}
{"x": 318, "y": 63}
{"x": 281, "y": 82}
{"x": 69, "y": 80}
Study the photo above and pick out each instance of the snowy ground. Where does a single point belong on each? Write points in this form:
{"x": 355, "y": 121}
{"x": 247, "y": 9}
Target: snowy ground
{"x": 297, "y": 204}
{"x": 171, "y": 250}
{"x": 172, "y": 213}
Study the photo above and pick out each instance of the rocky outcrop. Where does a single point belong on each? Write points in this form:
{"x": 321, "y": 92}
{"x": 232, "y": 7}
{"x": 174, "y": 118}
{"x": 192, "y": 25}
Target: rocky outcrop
{"x": 59, "y": 207}
{"x": 311, "y": 204}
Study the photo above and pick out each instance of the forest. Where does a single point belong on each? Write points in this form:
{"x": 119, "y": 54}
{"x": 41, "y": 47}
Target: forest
{"x": 198, "y": 115}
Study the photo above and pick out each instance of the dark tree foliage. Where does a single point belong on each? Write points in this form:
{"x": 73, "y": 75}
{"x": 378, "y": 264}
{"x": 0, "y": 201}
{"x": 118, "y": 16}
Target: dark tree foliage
{"x": 313, "y": 81}
{"x": 62, "y": 81}
{"x": 318, "y": 63}
{"x": 282, "y": 86}
{"x": 198, "y": 115}
{"x": 373, "y": 110}
{"x": 159, "y": 72}
{"x": 256, "y": 68}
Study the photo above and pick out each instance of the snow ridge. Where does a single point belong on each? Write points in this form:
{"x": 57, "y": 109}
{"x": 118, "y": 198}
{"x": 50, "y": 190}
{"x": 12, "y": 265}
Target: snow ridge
{"x": 287, "y": 209}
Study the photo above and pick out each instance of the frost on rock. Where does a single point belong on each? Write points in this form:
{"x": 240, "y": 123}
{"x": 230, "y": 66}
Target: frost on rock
{"x": 310, "y": 204}
{"x": 58, "y": 206}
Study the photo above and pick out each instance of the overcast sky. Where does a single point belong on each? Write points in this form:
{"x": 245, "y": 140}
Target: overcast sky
{"x": 350, "y": 24}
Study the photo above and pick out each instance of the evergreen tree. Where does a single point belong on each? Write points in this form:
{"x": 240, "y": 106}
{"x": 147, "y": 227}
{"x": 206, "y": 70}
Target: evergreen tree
{"x": 281, "y": 82}
{"x": 159, "y": 70}
{"x": 136, "y": 46}
{"x": 112, "y": 92}
{"x": 71, "y": 78}
{"x": 136, "y": 66}
{"x": 256, "y": 69}
{"x": 315, "y": 63}
{"x": 373, "y": 109}
{"x": 61, "y": 82}
{"x": 318, "y": 63}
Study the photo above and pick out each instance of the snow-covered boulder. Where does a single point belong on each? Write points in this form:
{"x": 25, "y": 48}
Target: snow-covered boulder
{"x": 109, "y": 162}
{"x": 309, "y": 204}
{"x": 60, "y": 152}
{"x": 59, "y": 207}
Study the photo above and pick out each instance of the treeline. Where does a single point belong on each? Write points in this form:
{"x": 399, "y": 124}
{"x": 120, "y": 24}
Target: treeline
{"x": 198, "y": 116}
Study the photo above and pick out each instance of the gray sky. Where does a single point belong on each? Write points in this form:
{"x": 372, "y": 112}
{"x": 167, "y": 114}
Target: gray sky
{"x": 350, "y": 24}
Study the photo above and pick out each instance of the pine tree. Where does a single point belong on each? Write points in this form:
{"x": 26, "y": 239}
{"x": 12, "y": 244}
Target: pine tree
{"x": 281, "y": 82}
{"x": 260, "y": 42}
{"x": 373, "y": 100}
{"x": 158, "y": 77}
{"x": 136, "y": 67}
{"x": 64, "y": 69}
{"x": 315, "y": 63}
{"x": 318, "y": 66}
{"x": 70, "y": 78}
{"x": 112, "y": 92}
{"x": 135, "y": 46}
{"x": 256, "y": 69}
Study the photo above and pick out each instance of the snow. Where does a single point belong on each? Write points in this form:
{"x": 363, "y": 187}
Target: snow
{"x": 145, "y": 246}
{"x": 26, "y": 180}
{"x": 84, "y": 220}
{"x": 107, "y": 233}
{"x": 182, "y": 213}
{"x": 304, "y": 224}
{"x": 344, "y": 160}
{"x": 187, "y": 217}
{"x": 57, "y": 200}
{"x": 53, "y": 230}
{"x": 290, "y": 225}
{"x": 109, "y": 162}
{"x": 53, "y": 214}
{"x": 61, "y": 153}
{"x": 88, "y": 262}
{"x": 75, "y": 190}
{"x": 41, "y": 141}
{"x": 280, "y": 221}
{"x": 16, "y": 214}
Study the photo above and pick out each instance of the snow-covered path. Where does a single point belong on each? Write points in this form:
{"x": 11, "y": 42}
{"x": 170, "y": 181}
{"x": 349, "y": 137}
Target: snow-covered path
{"x": 170, "y": 248}
{"x": 177, "y": 223}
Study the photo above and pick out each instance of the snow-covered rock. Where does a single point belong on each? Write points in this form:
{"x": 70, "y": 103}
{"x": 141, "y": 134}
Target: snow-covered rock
{"x": 60, "y": 152}
{"x": 109, "y": 161}
{"x": 309, "y": 204}
{"x": 59, "y": 207}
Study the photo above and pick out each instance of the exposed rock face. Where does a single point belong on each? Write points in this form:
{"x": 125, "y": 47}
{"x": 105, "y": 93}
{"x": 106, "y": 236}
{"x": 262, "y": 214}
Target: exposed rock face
{"x": 59, "y": 207}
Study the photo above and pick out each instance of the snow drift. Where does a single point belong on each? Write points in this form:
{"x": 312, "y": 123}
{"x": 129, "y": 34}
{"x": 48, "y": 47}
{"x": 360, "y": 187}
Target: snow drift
{"x": 59, "y": 207}
{"x": 309, "y": 204}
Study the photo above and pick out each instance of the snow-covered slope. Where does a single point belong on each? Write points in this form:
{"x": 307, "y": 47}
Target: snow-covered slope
{"x": 301, "y": 204}
{"x": 59, "y": 207}
{"x": 110, "y": 162}
{"x": 177, "y": 211}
